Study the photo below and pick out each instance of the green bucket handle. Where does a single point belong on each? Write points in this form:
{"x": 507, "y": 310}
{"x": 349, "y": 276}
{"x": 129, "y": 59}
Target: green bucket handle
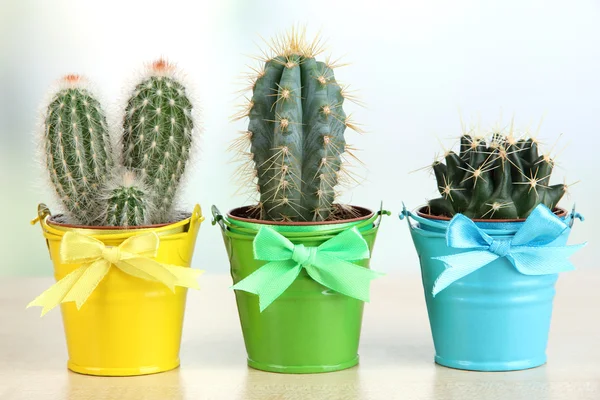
{"x": 217, "y": 217}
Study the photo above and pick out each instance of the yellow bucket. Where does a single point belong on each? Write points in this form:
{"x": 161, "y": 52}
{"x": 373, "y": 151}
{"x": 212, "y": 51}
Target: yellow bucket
{"x": 127, "y": 326}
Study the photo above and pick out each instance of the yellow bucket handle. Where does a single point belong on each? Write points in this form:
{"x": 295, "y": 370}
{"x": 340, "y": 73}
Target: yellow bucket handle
{"x": 43, "y": 212}
{"x": 196, "y": 217}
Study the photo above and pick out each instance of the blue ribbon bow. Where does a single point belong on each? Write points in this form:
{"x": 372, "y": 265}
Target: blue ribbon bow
{"x": 530, "y": 250}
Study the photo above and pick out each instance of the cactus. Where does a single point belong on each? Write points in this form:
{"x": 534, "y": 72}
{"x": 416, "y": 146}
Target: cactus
{"x": 503, "y": 179}
{"x": 296, "y": 132}
{"x": 127, "y": 202}
{"x": 156, "y": 140}
{"x": 77, "y": 147}
{"x": 157, "y": 134}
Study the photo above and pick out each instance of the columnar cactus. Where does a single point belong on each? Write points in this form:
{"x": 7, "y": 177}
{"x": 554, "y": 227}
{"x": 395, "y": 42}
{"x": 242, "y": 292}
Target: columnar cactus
{"x": 156, "y": 141}
{"x": 503, "y": 179}
{"x": 127, "y": 202}
{"x": 296, "y": 131}
{"x": 77, "y": 147}
{"x": 157, "y": 134}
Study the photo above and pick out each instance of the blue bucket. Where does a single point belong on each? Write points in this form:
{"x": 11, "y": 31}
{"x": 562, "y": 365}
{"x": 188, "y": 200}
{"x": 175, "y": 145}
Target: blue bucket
{"x": 493, "y": 319}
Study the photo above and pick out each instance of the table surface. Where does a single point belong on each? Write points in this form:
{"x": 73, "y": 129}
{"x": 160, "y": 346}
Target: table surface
{"x": 396, "y": 353}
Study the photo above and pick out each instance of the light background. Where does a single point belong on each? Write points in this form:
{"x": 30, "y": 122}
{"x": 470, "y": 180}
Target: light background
{"x": 415, "y": 62}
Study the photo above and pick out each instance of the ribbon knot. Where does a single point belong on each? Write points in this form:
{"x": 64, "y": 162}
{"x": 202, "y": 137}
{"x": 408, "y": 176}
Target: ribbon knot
{"x": 500, "y": 247}
{"x": 304, "y": 255}
{"x": 532, "y": 250}
{"x": 112, "y": 254}
{"x": 134, "y": 256}
{"x": 328, "y": 264}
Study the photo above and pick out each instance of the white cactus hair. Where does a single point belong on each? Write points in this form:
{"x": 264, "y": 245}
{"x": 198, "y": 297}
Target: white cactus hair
{"x": 161, "y": 66}
{"x": 67, "y": 81}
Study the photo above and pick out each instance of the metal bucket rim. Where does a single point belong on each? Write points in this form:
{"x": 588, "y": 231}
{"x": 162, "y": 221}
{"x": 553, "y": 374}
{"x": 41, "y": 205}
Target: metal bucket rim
{"x": 62, "y": 225}
{"x": 365, "y": 215}
{"x": 308, "y": 236}
{"x": 558, "y": 211}
{"x": 172, "y": 230}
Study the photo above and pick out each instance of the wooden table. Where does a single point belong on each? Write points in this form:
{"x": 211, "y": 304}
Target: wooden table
{"x": 396, "y": 353}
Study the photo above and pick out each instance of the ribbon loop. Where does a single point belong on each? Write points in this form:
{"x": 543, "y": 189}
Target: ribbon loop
{"x": 532, "y": 250}
{"x": 464, "y": 234}
{"x": 542, "y": 227}
{"x": 134, "y": 256}
{"x": 330, "y": 264}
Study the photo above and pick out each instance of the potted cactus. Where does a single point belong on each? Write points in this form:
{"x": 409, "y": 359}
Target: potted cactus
{"x": 299, "y": 260}
{"x": 121, "y": 249}
{"x": 490, "y": 249}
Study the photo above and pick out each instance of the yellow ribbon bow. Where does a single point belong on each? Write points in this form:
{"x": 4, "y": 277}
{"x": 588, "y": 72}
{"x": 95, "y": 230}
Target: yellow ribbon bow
{"x": 133, "y": 256}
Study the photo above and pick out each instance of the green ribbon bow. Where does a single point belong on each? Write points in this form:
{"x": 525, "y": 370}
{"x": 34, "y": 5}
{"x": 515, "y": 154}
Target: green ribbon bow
{"x": 329, "y": 264}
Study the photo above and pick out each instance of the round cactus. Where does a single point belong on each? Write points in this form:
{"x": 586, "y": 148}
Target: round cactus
{"x": 503, "y": 179}
{"x": 158, "y": 134}
{"x": 77, "y": 147}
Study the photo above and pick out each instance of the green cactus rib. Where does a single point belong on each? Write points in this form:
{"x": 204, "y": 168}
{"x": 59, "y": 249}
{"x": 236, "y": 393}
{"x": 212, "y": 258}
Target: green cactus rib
{"x": 77, "y": 149}
{"x": 157, "y": 138}
{"x": 127, "y": 206}
{"x": 297, "y": 129}
{"x": 505, "y": 179}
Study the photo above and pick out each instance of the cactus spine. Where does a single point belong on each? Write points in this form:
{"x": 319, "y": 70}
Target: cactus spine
{"x": 77, "y": 147}
{"x": 296, "y": 131}
{"x": 157, "y": 134}
{"x": 503, "y": 179}
{"x": 127, "y": 202}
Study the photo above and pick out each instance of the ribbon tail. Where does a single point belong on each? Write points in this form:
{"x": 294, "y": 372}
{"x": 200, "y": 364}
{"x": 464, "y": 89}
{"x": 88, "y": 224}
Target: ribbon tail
{"x": 343, "y": 277}
{"x": 87, "y": 283}
{"x": 134, "y": 271}
{"x": 270, "y": 281}
{"x": 56, "y": 293}
{"x": 186, "y": 277}
{"x": 148, "y": 269}
{"x": 459, "y": 266}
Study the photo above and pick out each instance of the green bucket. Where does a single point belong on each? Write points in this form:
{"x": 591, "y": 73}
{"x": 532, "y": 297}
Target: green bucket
{"x": 309, "y": 328}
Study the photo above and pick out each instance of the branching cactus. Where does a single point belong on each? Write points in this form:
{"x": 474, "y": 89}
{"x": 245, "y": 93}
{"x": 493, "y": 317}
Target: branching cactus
{"x": 127, "y": 202}
{"x": 77, "y": 147}
{"x": 158, "y": 134}
{"x": 296, "y": 132}
{"x": 503, "y": 178}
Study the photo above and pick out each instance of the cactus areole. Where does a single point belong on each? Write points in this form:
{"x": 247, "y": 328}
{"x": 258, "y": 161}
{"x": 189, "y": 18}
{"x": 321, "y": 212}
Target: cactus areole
{"x": 505, "y": 178}
{"x": 296, "y": 133}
